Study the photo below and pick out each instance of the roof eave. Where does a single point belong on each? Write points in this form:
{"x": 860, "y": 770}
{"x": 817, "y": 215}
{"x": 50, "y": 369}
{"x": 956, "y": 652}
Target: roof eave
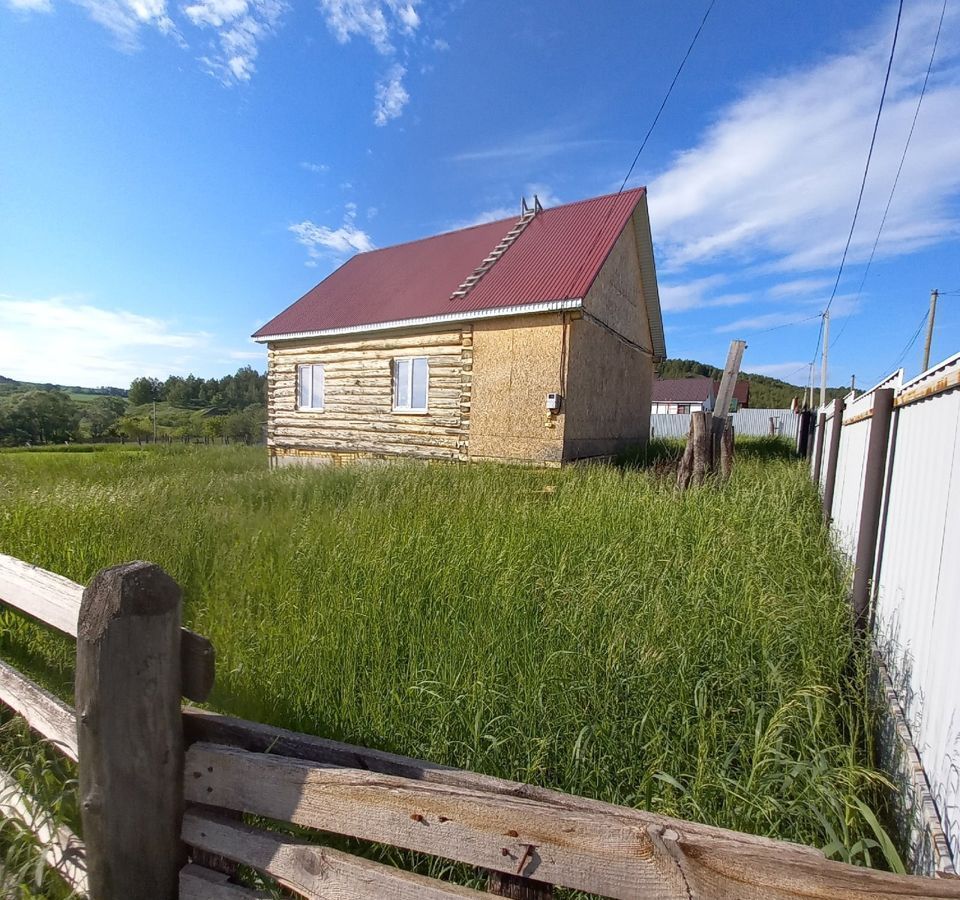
{"x": 427, "y": 321}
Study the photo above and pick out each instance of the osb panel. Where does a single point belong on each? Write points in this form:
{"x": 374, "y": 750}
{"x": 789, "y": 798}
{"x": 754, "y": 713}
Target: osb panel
{"x": 515, "y": 365}
{"x": 609, "y": 385}
{"x": 358, "y": 419}
{"x": 616, "y": 295}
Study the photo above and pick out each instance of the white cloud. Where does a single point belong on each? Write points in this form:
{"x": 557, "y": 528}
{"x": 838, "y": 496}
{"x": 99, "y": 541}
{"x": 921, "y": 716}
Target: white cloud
{"x": 800, "y": 287}
{"x": 507, "y": 210}
{"x": 775, "y": 178}
{"x": 528, "y": 148}
{"x": 68, "y": 340}
{"x": 390, "y": 96}
{"x": 370, "y": 19}
{"x": 440, "y": 44}
{"x": 699, "y": 293}
{"x": 31, "y": 5}
{"x": 322, "y": 241}
{"x": 240, "y": 26}
{"x": 125, "y": 18}
{"x": 316, "y": 168}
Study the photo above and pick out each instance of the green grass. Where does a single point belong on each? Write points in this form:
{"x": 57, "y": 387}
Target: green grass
{"x": 688, "y": 654}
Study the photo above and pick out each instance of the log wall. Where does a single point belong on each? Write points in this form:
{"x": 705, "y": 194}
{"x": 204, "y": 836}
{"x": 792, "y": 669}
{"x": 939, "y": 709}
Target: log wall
{"x": 358, "y": 420}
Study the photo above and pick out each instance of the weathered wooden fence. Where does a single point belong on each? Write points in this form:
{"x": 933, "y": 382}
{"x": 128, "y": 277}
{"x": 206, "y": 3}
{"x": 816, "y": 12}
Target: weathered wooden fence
{"x": 163, "y": 789}
{"x": 889, "y": 471}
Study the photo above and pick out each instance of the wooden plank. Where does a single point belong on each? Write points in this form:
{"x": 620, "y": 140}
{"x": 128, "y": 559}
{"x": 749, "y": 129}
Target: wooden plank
{"x": 210, "y": 727}
{"x": 602, "y": 854}
{"x": 51, "y": 598}
{"x": 198, "y": 883}
{"x": 62, "y": 850}
{"x": 130, "y": 733}
{"x": 55, "y": 601}
{"x": 44, "y": 713}
{"x": 311, "y": 871}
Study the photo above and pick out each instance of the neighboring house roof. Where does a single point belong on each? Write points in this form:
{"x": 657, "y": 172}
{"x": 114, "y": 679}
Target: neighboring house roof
{"x": 695, "y": 390}
{"x": 551, "y": 265}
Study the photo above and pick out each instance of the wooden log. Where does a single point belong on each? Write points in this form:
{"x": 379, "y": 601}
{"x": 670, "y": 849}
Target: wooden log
{"x": 44, "y": 713}
{"x": 702, "y": 437}
{"x": 685, "y": 470}
{"x": 199, "y": 883}
{"x": 726, "y": 451}
{"x": 62, "y": 850}
{"x": 129, "y": 731}
{"x": 55, "y": 601}
{"x": 311, "y": 871}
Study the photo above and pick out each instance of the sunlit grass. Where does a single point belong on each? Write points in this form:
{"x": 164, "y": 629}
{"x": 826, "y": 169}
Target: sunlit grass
{"x": 688, "y": 654}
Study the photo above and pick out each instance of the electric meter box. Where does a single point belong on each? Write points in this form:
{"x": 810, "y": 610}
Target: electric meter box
{"x": 553, "y": 402}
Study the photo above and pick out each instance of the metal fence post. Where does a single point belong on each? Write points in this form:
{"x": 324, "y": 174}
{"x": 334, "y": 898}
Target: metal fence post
{"x": 873, "y": 477}
{"x": 818, "y": 447}
{"x": 130, "y": 733}
{"x": 833, "y": 452}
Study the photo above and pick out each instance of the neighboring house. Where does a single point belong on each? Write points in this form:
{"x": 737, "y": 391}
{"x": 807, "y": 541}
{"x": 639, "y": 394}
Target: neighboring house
{"x": 687, "y": 395}
{"x": 530, "y": 339}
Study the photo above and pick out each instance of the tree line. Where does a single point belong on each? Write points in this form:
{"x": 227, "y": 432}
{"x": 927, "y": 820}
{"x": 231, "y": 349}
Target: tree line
{"x": 188, "y": 409}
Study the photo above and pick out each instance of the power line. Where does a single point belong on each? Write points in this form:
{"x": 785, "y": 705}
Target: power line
{"x": 756, "y": 334}
{"x": 666, "y": 97}
{"x": 903, "y": 157}
{"x": 866, "y": 168}
{"x": 646, "y": 137}
{"x": 910, "y": 343}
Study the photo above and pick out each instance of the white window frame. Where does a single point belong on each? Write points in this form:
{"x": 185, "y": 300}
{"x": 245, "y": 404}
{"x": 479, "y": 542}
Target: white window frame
{"x": 410, "y": 409}
{"x": 311, "y": 368}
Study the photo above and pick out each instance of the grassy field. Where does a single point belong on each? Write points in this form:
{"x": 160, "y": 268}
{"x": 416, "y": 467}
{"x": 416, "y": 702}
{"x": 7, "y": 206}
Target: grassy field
{"x": 690, "y": 655}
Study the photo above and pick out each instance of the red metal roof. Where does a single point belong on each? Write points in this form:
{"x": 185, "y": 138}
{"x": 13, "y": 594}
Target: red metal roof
{"x": 556, "y": 257}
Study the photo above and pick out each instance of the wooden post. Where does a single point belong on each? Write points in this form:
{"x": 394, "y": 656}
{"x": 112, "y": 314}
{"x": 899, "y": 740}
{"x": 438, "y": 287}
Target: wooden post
{"x": 702, "y": 439}
{"x": 803, "y": 435}
{"x": 685, "y": 469}
{"x": 818, "y": 447}
{"x": 129, "y": 732}
{"x": 833, "y": 453}
{"x": 726, "y": 451}
{"x": 873, "y": 475}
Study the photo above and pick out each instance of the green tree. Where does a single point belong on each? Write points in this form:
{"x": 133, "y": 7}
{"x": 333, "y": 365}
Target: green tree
{"x": 137, "y": 428}
{"x": 41, "y": 417}
{"x": 100, "y": 417}
{"x": 213, "y": 426}
{"x": 145, "y": 390}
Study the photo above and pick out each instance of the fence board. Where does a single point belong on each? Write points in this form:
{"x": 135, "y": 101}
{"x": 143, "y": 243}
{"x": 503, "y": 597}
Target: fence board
{"x": 311, "y": 871}
{"x": 211, "y": 727}
{"x": 44, "y": 713}
{"x": 198, "y": 883}
{"x": 55, "y": 601}
{"x": 601, "y": 854}
{"x": 62, "y": 850}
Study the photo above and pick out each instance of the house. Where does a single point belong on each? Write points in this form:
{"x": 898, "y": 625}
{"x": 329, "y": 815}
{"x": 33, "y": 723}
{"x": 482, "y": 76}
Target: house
{"x": 687, "y": 395}
{"x": 530, "y": 339}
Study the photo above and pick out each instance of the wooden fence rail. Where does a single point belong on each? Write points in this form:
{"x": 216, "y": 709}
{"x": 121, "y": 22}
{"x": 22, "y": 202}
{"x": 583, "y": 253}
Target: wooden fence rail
{"x": 164, "y": 788}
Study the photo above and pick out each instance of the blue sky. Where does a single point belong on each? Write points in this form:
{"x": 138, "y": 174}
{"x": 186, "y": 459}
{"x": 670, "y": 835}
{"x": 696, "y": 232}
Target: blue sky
{"x": 173, "y": 174}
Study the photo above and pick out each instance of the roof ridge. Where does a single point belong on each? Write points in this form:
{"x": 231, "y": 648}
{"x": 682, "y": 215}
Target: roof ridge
{"x": 439, "y": 234}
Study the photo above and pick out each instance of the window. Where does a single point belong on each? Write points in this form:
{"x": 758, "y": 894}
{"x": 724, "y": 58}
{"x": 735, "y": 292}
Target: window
{"x": 683, "y": 407}
{"x": 309, "y": 387}
{"x": 410, "y": 384}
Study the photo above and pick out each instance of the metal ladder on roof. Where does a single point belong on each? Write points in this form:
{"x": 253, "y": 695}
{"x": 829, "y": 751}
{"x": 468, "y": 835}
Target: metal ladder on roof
{"x": 487, "y": 262}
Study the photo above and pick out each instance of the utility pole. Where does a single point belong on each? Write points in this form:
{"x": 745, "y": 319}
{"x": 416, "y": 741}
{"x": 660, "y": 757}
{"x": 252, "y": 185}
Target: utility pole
{"x": 934, "y": 294}
{"x": 853, "y": 383}
{"x": 823, "y": 360}
{"x": 808, "y": 394}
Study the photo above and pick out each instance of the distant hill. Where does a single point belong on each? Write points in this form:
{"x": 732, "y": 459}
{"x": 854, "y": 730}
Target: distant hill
{"x": 765, "y": 392}
{"x": 12, "y": 386}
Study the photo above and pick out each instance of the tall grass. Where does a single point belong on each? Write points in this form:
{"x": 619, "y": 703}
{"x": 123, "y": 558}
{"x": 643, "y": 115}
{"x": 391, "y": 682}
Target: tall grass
{"x": 689, "y": 654}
